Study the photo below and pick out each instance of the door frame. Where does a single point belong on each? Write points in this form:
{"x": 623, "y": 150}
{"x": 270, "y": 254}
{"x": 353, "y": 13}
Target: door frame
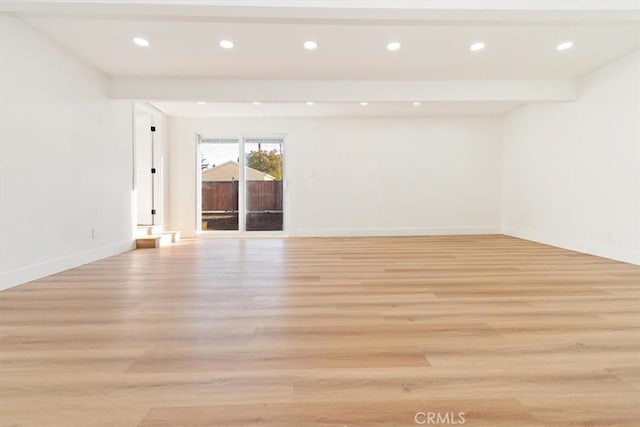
{"x": 241, "y": 232}
{"x": 157, "y": 187}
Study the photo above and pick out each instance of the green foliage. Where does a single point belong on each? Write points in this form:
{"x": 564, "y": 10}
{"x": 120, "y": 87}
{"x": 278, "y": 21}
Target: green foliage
{"x": 269, "y": 162}
{"x": 204, "y": 164}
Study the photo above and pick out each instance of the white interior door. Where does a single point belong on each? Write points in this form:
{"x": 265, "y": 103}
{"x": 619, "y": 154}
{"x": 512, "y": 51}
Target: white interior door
{"x": 143, "y": 164}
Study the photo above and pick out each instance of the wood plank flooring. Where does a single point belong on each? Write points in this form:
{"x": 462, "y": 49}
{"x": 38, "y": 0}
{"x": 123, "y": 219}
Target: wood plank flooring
{"x": 326, "y": 332}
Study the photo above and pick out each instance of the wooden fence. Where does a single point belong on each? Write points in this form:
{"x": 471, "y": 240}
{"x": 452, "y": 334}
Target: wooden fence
{"x": 223, "y": 196}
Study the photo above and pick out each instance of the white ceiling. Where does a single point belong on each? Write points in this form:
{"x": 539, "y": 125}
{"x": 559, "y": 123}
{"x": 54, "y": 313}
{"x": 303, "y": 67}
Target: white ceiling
{"x": 434, "y": 64}
{"x": 348, "y": 51}
{"x": 328, "y": 109}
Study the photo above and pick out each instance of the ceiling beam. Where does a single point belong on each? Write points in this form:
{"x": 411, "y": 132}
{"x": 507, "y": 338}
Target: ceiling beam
{"x": 193, "y": 89}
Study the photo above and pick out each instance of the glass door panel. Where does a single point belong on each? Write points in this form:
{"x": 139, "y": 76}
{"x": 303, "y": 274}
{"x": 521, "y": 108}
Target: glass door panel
{"x": 263, "y": 174}
{"x": 221, "y": 175}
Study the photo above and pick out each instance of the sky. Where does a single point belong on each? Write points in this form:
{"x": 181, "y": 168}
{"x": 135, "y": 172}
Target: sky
{"x": 217, "y": 154}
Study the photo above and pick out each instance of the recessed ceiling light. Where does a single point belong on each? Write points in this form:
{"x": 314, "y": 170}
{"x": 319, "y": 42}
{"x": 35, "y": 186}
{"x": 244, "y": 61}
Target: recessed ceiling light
{"x": 310, "y": 45}
{"x": 476, "y": 46}
{"x": 141, "y": 42}
{"x": 310, "y": 103}
{"x": 256, "y": 102}
{"x": 415, "y": 104}
{"x": 201, "y": 102}
{"x": 393, "y": 46}
{"x": 364, "y": 104}
{"x": 226, "y": 44}
{"x": 565, "y": 45}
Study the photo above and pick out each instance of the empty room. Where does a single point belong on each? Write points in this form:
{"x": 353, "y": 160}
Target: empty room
{"x": 319, "y": 213}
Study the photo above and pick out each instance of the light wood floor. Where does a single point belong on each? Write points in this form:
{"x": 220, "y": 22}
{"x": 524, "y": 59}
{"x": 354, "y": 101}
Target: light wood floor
{"x": 326, "y": 332}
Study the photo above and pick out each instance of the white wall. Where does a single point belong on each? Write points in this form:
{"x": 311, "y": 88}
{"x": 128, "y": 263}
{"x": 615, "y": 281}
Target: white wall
{"x": 572, "y": 170}
{"x": 66, "y": 160}
{"x": 364, "y": 176}
{"x": 163, "y": 196}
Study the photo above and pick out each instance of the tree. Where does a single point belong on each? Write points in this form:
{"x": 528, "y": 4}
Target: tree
{"x": 269, "y": 162}
{"x": 204, "y": 164}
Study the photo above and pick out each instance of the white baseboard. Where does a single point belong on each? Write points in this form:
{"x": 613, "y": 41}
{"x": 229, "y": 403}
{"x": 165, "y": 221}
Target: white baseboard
{"x": 613, "y": 252}
{"x": 372, "y": 232}
{"x": 32, "y": 272}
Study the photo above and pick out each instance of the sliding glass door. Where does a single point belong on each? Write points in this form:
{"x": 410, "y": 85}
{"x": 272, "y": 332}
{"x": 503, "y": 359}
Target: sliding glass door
{"x": 220, "y": 184}
{"x": 241, "y": 192}
{"x": 263, "y": 184}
